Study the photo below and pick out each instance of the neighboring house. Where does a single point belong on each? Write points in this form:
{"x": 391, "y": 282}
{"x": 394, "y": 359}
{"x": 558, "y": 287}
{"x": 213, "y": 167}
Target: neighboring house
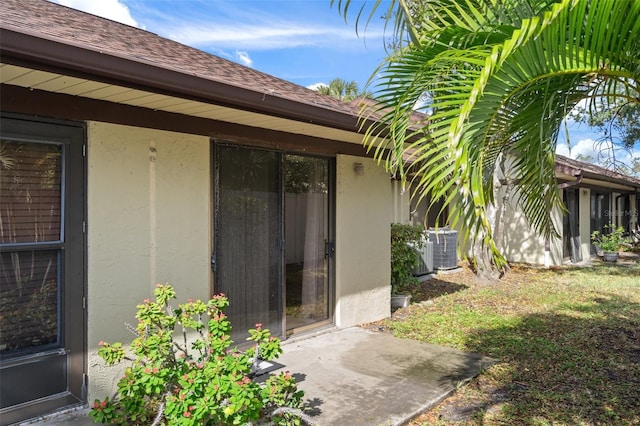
{"x": 128, "y": 159}
{"x": 594, "y": 196}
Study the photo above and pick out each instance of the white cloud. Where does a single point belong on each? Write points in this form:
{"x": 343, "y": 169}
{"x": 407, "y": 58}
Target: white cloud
{"x": 240, "y": 25}
{"x": 600, "y": 152}
{"x": 316, "y": 86}
{"x": 243, "y": 58}
{"x": 110, "y": 9}
{"x": 257, "y": 36}
{"x": 584, "y": 148}
{"x": 221, "y": 53}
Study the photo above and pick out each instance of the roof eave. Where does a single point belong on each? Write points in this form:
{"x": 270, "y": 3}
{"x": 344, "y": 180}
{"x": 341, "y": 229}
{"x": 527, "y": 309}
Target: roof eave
{"x": 21, "y": 48}
{"x": 570, "y": 170}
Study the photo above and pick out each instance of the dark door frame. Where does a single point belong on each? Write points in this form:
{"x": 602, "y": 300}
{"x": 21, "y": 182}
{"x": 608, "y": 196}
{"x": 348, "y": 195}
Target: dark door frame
{"x": 71, "y": 350}
{"x": 329, "y": 248}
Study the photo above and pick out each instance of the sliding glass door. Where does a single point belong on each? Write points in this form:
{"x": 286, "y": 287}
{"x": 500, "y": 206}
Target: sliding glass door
{"x": 308, "y": 241}
{"x": 272, "y": 247}
{"x": 248, "y": 238}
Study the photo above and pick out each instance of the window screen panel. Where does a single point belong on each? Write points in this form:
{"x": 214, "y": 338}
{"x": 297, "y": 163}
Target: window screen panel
{"x": 30, "y": 192}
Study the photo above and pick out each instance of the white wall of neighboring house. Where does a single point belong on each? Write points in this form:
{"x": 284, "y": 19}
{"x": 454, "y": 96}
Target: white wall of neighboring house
{"x": 363, "y": 258}
{"x": 520, "y": 243}
{"x": 555, "y": 244}
{"x": 523, "y": 245}
{"x": 148, "y": 222}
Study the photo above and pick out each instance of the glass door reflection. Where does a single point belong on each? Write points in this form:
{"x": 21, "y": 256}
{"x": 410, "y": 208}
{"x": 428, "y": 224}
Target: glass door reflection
{"x": 308, "y": 242}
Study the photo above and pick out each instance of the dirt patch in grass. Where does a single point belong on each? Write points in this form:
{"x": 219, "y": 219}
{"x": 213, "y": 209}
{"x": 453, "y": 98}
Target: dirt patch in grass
{"x": 568, "y": 342}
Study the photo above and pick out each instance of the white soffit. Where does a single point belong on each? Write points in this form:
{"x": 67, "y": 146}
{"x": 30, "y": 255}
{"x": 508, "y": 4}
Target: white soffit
{"x": 597, "y": 182}
{"x": 607, "y": 184}
{"x": 52, "y": 82}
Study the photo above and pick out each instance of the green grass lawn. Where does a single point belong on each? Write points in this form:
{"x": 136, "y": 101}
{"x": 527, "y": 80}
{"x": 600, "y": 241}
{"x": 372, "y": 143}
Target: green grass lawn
{"x": 567, "y": 342}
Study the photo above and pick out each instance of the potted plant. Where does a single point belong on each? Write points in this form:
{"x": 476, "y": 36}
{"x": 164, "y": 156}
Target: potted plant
{"x": 405, "y": 241}
{"x": 610, "y": 242}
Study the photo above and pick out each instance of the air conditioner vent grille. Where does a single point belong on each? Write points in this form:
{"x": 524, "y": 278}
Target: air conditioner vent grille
{"x": 425, "y": 257}
{"x": 445, "y": 245}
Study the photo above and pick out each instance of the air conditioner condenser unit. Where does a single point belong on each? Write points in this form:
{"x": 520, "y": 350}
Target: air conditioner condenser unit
{"x": 445, "y": 246}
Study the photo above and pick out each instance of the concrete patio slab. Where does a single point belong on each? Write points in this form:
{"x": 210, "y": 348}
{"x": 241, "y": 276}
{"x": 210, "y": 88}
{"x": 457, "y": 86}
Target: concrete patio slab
{"x": 356, "y": 376}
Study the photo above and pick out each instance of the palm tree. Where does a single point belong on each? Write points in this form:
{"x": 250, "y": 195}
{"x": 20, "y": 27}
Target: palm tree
{"x": 500, "y": 77}
{"x": 342, "y": 89}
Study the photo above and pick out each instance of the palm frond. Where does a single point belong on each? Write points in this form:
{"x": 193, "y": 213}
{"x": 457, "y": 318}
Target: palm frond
{"x": 501, "y": 76}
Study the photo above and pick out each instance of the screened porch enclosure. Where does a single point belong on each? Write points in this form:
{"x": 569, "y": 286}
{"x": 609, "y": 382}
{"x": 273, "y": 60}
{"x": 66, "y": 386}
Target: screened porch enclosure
{"x": 272, "y": 245}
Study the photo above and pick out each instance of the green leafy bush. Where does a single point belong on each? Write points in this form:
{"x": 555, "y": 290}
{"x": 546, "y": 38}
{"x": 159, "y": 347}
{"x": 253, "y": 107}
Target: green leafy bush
{"x": 612, "y": 241}
{"x": 405, "y": 241}
{"x": 197, "y": 378}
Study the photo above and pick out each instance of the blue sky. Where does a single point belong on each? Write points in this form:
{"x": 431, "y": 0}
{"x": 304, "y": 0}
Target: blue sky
{"x": 303, "y": 41}
{"x": 306, "y": 42}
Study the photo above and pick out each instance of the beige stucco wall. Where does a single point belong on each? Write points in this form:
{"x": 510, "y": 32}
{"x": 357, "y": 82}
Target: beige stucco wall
{"x": 400, "y": 202}
{"x": 148, "y": 221}
{"x": 363, "y": 210}
{"x": 520, "y": 243}
{"x": 556, "y": 249}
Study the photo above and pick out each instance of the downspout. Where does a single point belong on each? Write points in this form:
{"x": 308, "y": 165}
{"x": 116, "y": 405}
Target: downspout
{"x": 547, "y": 242}
{"x": 578, "y": 181}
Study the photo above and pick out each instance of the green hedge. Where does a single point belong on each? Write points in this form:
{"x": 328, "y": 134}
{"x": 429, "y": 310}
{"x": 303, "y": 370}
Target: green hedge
{"x": 405, "y": 240}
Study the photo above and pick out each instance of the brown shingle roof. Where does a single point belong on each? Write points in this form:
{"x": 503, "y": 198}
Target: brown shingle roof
{"x": 42, "y": 19}
{"x": 597, "y": 171}
{"x": 67, "y": 26}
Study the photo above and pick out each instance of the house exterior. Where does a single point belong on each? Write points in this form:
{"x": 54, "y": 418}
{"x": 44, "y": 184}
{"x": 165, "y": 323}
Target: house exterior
{"x": 127, "y": 159}
{"x": 595, "y": 197}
